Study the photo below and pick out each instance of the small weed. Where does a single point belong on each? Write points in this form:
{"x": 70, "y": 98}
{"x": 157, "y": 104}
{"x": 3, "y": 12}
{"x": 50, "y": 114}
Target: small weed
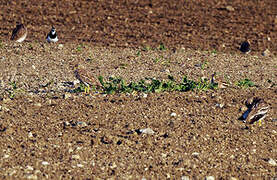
{"x": 204, "y": 65}
{"x": 13, "y": 90}
{"x": 162, "y": 47}
{"x": 214, "y": 51}
{"x": 30, "y": 47}
{"x": 157, "y": 59}
{"x": 80, "y": 47}
{"x": 245, "y": 83}
{"x": 146, "y": 48}
{"x": 138, "y": 53}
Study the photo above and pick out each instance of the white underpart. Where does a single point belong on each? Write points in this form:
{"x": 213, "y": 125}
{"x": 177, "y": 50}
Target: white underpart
{"x": 52, "y": 40}
{"x": 22, "y": 38}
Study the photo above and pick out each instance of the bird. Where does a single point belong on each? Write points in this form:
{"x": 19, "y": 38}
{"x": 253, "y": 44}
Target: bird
{"x": 257, "y": 110}
{"x": 19, "y": 33}
{"x": 52, "y": 35}
{"x": 86, "y": 77}
{"x": 245, "y": 47}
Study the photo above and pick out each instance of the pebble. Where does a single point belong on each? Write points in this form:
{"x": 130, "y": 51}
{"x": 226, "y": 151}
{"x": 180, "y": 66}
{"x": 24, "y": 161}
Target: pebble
{"x": 272, "y": 162}
{"x": 60, "y": 46}
{"x": 29, "y": 168}
{"x": 184, "y": 178}
{"x": 45, "y": 163}
{"x": 76, "y": 156}
{"x": 144, "y": 95}
{"x": 30, "y": 135}
{"x": 147, "y": 131}
{"x": 37, "y": 105}
{"x": 233, "y": 178}
{"x": 219, "y": 105}
{"x": 82, "y": 124}
{"x": 80, "y": 165}
{"x": 31, "y": 176}
{"x": 195, "y": 154}
{"x": 173, "y": 114}
{"x": 230, "y": 8}
{"x": 209, "y": 178}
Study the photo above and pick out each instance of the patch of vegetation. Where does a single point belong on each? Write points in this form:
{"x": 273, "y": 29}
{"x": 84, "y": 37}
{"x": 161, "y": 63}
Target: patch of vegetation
{"x": 118, "y": 85}
{"x": 204, "y": 64}
{"x": 80, "y": 47}
{"x": 214, "y": 51}
{"x": 146, "y": 48}
{"x": 13, "y": 90}
{"x": 162, "y": 47}
{"x": 245, "y": 83}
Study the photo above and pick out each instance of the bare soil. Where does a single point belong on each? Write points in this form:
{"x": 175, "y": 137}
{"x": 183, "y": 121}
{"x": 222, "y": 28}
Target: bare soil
{"x": 48, "y": 131}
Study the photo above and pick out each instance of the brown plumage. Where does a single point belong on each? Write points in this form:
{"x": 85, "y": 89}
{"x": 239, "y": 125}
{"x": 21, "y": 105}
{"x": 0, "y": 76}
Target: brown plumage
{"x": 257, "y": 110}
{"x": 86, "y": 76}
{"x": 19, "y": 34}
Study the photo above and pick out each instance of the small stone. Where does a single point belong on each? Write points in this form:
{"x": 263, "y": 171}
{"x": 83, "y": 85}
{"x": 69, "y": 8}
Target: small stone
{"x": 31, "y": 176}
{"x": 76, "y": 156}
{"x": 80, "y": 165}
{"x": 6, "y": 156}
{"x": 60, "y": 46}
{"x": 184, "y": 178}
{"x": 70, "y": 150}
{"x": 81, "y": 124}
{"x": 33, "y": 66}
{"x": 30, "y": 135}
{"x": 219, "y": 105}
{"x": 29, "y": 168}
{"x": 45, "y": 163}
{"x": 266, "y": 52}
{"x": 209, "y": 178}
{"x": 173, "y": 114}
{"x": 144, "y": 95}
{"x": 37, "y": 105}
{"x": 272, "y": 162}
{"x": 230, "y": 8}
{"x": 233, "y": 178}
{"x": 195, "y": 154}
{"x": 147, "y": 131}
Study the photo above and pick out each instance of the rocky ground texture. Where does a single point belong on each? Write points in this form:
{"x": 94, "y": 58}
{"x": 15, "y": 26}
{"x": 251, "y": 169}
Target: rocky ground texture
{"x": 47, "y": 130}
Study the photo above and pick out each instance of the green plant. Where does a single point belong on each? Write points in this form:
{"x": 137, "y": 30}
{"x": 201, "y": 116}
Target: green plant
{"x": 80, "y": 47}
{"x": 13, "y": 90}
{"x": 246, "y": 83}
{"x": 118, "y": 85}
{"x": 204, "y": 64}
{"x": 214, "y": 51}
{"x": 146, "y": 48}
{"x": 138, "y": 53}
{"x": 162, "y": 47}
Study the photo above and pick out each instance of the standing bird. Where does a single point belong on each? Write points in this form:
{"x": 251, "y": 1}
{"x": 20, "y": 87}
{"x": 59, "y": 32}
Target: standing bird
{"x": 19, "y": 33}
{"x": 86, "y": 77}
{"x": 52, "y": 36}
{"x": 245, "y": 47}
{"x": 257, "y": 110}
